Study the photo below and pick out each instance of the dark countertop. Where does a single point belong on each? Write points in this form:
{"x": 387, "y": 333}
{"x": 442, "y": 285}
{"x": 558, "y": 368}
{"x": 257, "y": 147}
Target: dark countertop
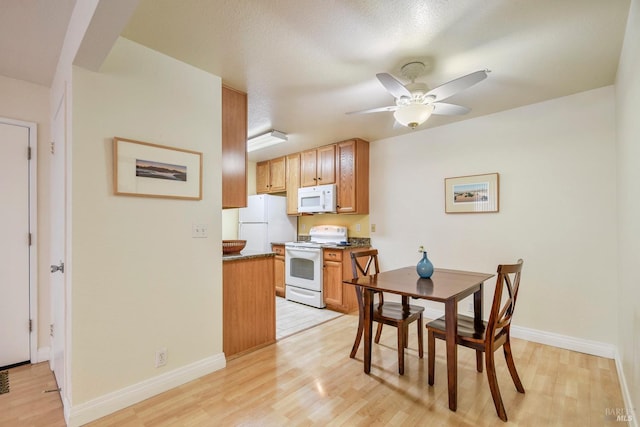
{"x": 351, "y": 246}
{"x": 245, "y": 254}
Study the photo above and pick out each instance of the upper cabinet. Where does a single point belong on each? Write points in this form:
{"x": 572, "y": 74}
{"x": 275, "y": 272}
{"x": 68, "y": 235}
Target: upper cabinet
{"x": 234, "y": 148}
{"x": 352, "y": 164}
{"x": 318, "y": 166}
{"x": 271, "y": 176}
{"x": 293, "y": 183}
{"x": 345, "y": 163}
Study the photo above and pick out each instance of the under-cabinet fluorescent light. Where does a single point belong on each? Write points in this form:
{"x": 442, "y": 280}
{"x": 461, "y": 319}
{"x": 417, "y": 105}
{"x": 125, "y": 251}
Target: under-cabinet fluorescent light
{"x": 265, "y": 140}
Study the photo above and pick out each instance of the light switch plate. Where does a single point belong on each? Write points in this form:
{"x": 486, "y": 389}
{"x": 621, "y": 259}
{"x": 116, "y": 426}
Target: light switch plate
{"x": 199, "y": 231}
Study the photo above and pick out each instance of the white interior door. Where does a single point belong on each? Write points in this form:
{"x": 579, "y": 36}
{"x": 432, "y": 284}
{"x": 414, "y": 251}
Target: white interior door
{"x": 58, "y": 245}
{"x": 14, "y": 245}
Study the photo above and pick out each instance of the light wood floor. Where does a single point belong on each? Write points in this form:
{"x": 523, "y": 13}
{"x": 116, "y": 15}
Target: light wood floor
{"x": 308, "y": 379}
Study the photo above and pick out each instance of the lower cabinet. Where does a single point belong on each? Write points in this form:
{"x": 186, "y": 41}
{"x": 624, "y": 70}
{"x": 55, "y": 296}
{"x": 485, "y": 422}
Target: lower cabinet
{"x": 279, "y": 269}
{"x": 336, "y": 268}
{"x": 249, "y": 304}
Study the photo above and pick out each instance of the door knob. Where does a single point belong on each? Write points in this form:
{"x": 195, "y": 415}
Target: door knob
{"x": 59, "y": 268}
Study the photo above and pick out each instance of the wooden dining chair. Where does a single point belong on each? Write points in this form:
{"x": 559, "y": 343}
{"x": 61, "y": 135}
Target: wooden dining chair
{"x": 364, "y": 263}
{"x": 487, "y": 336}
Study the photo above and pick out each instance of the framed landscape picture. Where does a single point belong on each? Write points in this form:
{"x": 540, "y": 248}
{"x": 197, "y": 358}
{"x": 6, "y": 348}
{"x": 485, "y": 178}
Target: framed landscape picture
{"x": 472, "y": 194}
{"x": 150, "y": 170}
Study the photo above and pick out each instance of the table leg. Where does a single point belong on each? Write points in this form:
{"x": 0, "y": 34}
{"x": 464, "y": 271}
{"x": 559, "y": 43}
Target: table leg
{"x": 405, "y": 304}
{"x": 368, "y": 316}
{"x": 477, "y": 316}
{"x": 451, "y": 327}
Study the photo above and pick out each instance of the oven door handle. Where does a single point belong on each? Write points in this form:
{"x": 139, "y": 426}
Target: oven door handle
{"x": 304, "y": 253}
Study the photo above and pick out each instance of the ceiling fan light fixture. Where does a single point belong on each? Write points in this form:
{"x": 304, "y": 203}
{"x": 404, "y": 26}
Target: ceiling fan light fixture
{"x": 413, "y": 115}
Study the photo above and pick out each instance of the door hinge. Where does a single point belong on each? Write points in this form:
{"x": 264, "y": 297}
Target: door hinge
{"x": 29, "y": 153}
{"x": 30, "y": 240}
{"x": 51, "y": 330}
{"x": 52, "y": 147}
{"x": 30, "y": 325}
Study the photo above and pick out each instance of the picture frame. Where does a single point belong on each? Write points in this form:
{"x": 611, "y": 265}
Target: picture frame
{"x": 143, "y": 169}
{"x": 472, "y": 193}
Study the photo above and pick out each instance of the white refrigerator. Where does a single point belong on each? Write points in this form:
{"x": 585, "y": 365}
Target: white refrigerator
{"x": 265, "y": 221}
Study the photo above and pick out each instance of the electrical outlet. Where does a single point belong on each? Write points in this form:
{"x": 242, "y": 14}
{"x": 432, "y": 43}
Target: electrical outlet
{"x": 161, "y": 357}
{"x": 373, "y": 228}
{"x": 358, "y": 228}
{"x": 470, "y": 306}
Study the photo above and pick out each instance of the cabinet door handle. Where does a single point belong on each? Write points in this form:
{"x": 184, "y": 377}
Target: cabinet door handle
{"x": 319, "y": 179}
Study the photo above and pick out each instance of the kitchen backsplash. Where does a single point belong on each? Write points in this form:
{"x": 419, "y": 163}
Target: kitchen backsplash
{"x": 357, "y": 225}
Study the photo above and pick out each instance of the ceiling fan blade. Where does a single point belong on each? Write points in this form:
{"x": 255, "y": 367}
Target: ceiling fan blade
{"x": 448, "y": 89}
{"x": 449, "y": 109}
{"x": 393, "y": 86}
{"x": 375, "y": 110}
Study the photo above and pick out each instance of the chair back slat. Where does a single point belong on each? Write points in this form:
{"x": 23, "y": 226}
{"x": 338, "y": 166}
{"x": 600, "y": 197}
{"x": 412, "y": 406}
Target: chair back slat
{"x": 370, "y": 259}
{"x": 502, "y": 312}
{"x": 362, "y": 261}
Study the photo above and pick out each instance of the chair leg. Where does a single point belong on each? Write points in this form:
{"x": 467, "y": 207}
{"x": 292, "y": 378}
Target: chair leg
{"x": 512, "y": 366}
{"x": 406, "y": 336}
{"x": 493, "y": 385}
{"x": 479, "y": 360}
{"x": 356, "y": 343}
{"x": 431, "y": 356}
{"x": 420, "y": 336}
{"x": 378, "y": 333}
{"x": 401, "y": 340}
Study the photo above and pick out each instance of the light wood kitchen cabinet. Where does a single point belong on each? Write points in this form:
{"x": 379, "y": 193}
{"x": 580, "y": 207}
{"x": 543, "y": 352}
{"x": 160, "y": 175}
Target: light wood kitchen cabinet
{"x": 318, "y": 166}
{"x": 336, "y": 268}
{"x": 249, "y": 304}
{"x": 271, "y": 176}
{"x": 352, "y": 164}
{"x": 279, "y": 269}
{"x": 332, "y": 278}
{"x": 293, "y": 183}
{"x": 234, "y": 148}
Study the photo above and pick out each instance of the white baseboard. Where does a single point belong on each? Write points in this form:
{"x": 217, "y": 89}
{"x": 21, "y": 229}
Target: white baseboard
{"x": 119, "y": 399}
{"x": 626, "y": 396}
{"x": 44, "y": 353}
{"x": 594, "y": 348}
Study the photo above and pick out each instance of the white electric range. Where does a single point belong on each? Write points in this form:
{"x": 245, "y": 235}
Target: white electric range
{"x": 303, "y": 264}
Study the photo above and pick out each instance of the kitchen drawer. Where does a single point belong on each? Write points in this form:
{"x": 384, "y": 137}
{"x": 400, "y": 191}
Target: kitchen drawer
{"x": 333, "y": 254}
{"x": 278, "y": 249}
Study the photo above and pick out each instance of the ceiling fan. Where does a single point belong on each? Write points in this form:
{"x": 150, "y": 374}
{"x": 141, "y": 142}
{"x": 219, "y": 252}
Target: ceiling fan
{"x": 415, "y": 102}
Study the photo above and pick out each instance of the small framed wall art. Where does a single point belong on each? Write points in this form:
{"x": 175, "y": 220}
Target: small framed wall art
{"x": 472, "y": 194}
{"x": 149, "y": 170}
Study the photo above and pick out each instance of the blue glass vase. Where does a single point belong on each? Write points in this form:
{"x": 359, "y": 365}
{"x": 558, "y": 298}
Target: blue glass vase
{"x": 424, "y": 267}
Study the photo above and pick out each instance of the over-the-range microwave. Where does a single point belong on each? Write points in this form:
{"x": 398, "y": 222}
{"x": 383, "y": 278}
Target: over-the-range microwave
{"x": 317, "y": 199}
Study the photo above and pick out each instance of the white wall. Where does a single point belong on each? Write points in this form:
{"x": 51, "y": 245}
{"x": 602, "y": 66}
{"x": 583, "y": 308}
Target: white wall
{"x": 140, "y": 282}
{"x": 556, "y": 162}
{"x": 628, "y": 128}
{"x": 30, "y": 102}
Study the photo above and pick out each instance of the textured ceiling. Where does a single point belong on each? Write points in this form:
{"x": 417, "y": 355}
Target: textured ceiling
{"x": 305, "y": 63}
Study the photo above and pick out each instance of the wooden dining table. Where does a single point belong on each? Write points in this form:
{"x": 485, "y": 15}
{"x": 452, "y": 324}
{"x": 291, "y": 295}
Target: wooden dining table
{"x": 445, "y": 286}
